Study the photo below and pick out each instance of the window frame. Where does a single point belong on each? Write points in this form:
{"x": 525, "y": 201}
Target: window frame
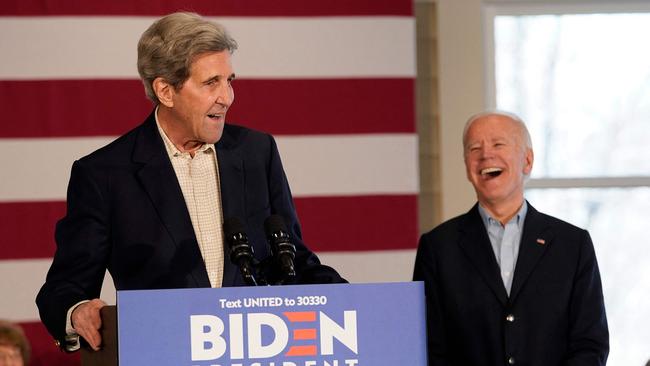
{"x": 492, "y": 9}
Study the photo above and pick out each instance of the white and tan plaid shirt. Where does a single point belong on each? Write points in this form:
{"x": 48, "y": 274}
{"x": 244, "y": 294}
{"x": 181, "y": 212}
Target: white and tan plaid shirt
{"x": 199, "y": 180}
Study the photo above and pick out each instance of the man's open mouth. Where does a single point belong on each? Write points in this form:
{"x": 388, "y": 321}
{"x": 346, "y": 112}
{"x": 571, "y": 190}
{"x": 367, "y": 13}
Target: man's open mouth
{"x": 491, "y": 172}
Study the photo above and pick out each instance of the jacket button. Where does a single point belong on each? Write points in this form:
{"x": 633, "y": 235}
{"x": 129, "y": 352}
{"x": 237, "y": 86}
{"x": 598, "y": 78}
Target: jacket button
{"x": 511, "y": 360}
{"x": 510, "y": 318}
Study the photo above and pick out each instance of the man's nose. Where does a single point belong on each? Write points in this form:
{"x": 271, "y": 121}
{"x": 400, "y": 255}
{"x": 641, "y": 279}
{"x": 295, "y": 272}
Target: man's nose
{"x": 225, "y": 95}
{"x": 486, "y": 152}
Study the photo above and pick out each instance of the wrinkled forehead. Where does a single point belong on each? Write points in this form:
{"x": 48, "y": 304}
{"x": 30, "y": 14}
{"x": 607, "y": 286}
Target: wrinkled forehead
{"x": 491, "y": 128}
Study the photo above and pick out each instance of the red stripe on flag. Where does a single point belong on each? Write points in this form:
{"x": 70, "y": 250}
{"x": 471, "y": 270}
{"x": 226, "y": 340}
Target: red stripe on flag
{"x": 44, "y": 352}
{"x": 359, "y": 222}
{"x": 27, "y": 229}
{"x": 210, "y": 7}
{"x": 329, "y": 224}
{"x": 61, "y": 108}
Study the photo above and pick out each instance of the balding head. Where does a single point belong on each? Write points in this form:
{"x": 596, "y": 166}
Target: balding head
{"x": 523, "y": 134}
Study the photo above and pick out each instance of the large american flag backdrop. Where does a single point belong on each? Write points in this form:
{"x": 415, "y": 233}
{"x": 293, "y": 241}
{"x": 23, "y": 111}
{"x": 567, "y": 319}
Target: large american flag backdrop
{"x": 332, "y": 80}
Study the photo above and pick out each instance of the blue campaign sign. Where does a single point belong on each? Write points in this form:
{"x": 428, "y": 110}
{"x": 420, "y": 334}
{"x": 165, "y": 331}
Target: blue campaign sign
{"x": 303, "y": 325}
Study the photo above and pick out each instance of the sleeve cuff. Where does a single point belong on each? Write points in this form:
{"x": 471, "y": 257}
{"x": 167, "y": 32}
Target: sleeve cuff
{"x": 72, "y": 338}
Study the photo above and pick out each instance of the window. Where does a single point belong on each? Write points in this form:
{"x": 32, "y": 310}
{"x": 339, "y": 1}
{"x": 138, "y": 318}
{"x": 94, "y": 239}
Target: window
{"x": 580, "y": 78}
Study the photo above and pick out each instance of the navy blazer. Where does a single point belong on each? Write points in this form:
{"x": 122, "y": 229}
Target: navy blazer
{"x": 126, "y": 213}
{"x": 554, "y": 315}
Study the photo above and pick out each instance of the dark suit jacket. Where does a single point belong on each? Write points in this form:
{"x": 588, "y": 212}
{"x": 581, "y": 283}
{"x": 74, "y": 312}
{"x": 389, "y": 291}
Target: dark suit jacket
{"x": 126, "y": 213}
{"x": 555, "y": 314}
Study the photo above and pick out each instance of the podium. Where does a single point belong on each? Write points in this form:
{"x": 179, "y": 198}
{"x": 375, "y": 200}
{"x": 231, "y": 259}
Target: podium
{"x": 107, "y": 356}
{"x": 298, "y": 325}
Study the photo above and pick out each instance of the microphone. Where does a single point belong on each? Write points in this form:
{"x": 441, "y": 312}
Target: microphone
{"x": 281, "y": 247}
{"x": 241, "y": 252}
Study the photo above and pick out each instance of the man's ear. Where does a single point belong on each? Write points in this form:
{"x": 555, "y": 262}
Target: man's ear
{"x": 164, "y": 91}
{"x": 529, "y": 157}
{"x": 467, "y": 172}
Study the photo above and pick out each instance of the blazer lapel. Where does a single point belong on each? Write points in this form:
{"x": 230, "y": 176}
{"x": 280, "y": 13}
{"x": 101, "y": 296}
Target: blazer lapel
{"x": 159, "y": 181}
{"x": 231, "y": 176}
{"x": 476, "y": 245}
{"x": 534, "y": 242}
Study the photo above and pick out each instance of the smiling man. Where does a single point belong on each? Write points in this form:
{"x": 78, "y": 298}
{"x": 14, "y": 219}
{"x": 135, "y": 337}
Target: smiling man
{"x": 149, "y": 207}
{"x": 506, "y": 284}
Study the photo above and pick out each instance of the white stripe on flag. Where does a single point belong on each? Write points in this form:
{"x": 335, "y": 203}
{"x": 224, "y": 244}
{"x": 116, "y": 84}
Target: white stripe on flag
{"x": 337, "y": 165}
{"x": 29, "y": 275}
{"x": 316, "y": 165}
{"x": 356, "y": 267}
{"x": 313, "y": 47}
{"x": 374, "y": 266}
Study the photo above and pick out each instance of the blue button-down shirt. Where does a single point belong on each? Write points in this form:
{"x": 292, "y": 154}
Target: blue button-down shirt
{"x": 505, "y": 240}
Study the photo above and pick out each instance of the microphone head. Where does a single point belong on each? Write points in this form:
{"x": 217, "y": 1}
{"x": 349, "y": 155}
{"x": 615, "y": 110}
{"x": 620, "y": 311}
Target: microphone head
{"x": 282, "y": 249}
{"x": 235, "y": 237}
{"x": 273, "y": 224}
{"x": 232, "y": 226}
{"x": 241, "y": 252}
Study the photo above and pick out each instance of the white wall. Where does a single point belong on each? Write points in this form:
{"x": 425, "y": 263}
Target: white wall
{"x": 460, "y": 50}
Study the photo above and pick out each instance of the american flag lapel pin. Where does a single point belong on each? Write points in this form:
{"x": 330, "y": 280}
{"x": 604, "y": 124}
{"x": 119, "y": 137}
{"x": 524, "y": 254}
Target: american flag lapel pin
{"x": 541, "y": 241}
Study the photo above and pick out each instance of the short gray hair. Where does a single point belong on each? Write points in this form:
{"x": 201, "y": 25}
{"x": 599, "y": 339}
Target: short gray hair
{"x": 523, "y": 130}
{"x": 170, "y": 45}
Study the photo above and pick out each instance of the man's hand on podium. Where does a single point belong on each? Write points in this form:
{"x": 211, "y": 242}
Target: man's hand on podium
{"x": 86, "y": 321}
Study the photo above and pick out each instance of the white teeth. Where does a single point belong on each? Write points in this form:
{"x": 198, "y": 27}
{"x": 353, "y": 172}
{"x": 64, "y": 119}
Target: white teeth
{"x": 490, "y": 170}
